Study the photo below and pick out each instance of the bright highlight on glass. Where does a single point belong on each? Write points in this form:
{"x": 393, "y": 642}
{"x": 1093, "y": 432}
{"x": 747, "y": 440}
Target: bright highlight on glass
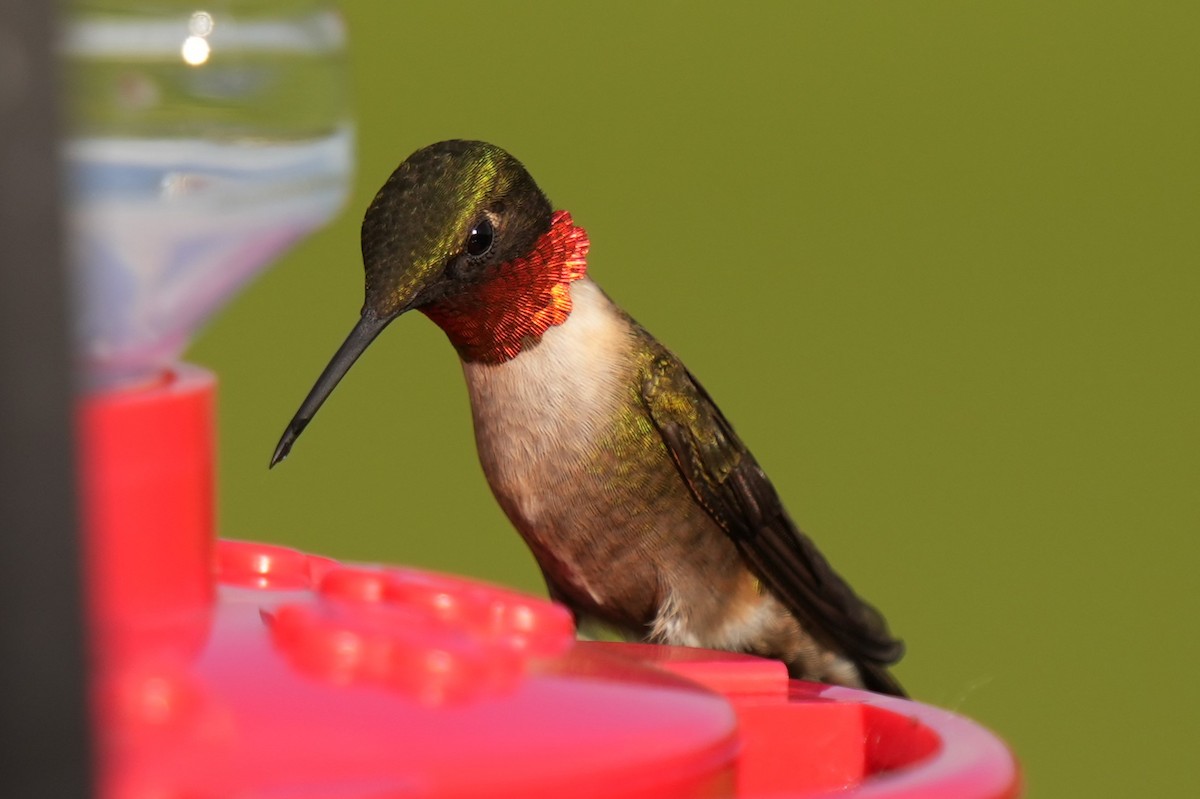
{"x": 196, "y": 49}
{"x": 201, "y": 24}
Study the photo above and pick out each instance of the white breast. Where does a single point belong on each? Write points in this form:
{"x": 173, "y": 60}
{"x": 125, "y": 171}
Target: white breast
{"x": 538, "y": 411}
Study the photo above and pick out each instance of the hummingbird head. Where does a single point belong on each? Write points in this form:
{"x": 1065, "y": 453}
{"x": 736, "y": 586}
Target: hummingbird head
{"x": 461, "y": 232}
{"x": 444, "y": 220}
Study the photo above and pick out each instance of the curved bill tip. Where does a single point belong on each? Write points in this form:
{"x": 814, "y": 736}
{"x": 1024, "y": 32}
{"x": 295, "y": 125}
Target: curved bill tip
{"x": 288, "y": 438}
{"x": 364, "y": 332}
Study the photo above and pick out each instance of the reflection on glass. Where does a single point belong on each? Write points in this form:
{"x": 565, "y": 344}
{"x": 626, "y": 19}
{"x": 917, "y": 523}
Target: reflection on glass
{"x": 205, "y": 142}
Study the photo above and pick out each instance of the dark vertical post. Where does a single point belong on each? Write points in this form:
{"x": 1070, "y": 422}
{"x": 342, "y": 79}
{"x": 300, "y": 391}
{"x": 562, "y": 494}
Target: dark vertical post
{"x": 44, "y": 745}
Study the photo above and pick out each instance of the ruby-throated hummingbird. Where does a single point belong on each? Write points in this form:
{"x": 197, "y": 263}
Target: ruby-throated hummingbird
{"x": 643, "y": 508}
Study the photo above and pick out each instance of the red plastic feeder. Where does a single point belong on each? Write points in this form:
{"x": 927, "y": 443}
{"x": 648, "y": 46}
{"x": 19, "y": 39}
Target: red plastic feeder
{"x": 239, "y": 669}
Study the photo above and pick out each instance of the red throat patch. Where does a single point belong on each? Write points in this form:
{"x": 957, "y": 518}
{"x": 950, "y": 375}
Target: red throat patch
{"x": 524, "y": 299}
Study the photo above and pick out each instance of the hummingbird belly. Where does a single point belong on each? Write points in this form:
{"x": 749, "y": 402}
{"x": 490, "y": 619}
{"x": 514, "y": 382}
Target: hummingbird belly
{"x": 578, "y": 467}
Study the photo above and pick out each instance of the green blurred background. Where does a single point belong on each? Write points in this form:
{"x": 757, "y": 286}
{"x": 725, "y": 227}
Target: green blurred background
{"x": 937, "y": 261}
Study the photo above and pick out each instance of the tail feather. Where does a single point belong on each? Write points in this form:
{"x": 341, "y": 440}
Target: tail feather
{"x": 877, "y": 678}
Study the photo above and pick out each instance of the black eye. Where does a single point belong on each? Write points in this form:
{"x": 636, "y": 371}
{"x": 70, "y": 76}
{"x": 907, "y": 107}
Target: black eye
{"x": 480, "y": 240}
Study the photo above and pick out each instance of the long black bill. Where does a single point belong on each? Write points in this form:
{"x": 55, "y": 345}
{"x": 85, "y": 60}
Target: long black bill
{"x": 364, "y": 332}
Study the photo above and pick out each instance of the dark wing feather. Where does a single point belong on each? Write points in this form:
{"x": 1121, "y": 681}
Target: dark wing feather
{"x": 728, "y": 483}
